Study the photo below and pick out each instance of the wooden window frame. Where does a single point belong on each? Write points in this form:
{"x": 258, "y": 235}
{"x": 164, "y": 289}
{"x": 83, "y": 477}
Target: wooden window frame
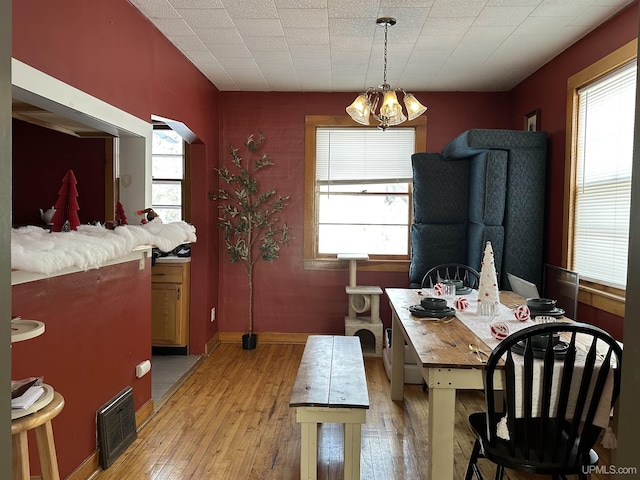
{"x": 311, "y": 260}
{"x": 597, "y": 295}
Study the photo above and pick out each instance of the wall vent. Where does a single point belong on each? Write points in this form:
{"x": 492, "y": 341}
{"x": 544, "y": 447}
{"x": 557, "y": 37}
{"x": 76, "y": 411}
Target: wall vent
{"x": 116, "y": 427}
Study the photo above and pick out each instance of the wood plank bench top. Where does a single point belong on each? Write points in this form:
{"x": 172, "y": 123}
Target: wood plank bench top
{"x": 331, "y": 374}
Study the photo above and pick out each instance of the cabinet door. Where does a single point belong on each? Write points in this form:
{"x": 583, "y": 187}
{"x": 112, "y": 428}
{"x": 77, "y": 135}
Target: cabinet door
{"x": 167, "y": 325}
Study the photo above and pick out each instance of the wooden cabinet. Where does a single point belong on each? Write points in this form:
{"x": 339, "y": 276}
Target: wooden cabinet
{"x": 170, "y": 295}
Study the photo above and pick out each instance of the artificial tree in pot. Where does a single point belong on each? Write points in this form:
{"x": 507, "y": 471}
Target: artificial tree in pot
{"x": 249, "y": 217}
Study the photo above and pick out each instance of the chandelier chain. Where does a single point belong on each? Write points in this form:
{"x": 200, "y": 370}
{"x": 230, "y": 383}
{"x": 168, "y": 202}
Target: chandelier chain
{"x": 386, "y": 29}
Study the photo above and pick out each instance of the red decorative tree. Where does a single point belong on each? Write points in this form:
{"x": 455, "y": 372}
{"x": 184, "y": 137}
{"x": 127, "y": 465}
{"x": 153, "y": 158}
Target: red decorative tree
{"x": 66, "y": 216}
{"x": 121, "y": 217}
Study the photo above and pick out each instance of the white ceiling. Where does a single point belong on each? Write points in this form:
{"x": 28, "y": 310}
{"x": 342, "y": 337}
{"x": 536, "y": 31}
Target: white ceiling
{"x": 336, "y": 46}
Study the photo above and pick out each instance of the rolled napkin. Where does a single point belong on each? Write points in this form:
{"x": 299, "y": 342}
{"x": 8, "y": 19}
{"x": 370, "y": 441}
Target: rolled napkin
{"x": 499, "y": 330}
{"x": 438, "y": 288}
{"x": 522, "y": 313}
{"x": 461, "y": 303}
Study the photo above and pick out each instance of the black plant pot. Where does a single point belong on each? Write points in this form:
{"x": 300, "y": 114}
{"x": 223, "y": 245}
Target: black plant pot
{"x": 249, "y": 341}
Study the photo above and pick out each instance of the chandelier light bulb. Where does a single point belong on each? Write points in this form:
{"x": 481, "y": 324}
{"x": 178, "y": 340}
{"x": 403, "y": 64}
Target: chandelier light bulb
{"x": 390, "y": 107}
{"x": 414, "y": 107}
{"x": 360, "y": 109}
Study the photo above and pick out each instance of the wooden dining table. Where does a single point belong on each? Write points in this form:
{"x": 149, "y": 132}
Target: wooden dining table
{"x": 441, "y": 351}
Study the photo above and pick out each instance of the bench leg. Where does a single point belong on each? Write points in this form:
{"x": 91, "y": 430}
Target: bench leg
{"x": 352, "y": 442}
{"x": 309, "y": 418}
{"x": 309, "y": 451}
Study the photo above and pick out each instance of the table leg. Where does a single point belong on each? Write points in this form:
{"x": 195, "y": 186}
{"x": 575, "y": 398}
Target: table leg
{"x": 352, "y": 443}
{"x": 20, "y": 456}
{"x": 442, "y": 407}
{"x": 397, "y": 359}
{"x": 309, "y": 451}
{"x": 47, "y": 452}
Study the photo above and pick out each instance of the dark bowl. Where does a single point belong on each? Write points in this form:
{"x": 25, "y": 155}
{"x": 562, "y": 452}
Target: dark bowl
{"x": 540, "y": 341}
{"x": 457, "y": 283}
{"x": 541, "y": 304}
{"x": 431, "y": 303}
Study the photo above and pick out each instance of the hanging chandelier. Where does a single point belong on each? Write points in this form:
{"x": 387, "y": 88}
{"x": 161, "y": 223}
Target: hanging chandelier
{"x": 390, "y": 113}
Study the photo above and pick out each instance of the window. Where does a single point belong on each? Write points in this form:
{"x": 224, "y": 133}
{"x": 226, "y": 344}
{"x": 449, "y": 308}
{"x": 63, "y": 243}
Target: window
{"x": 168, "y": 173}
{"x": 606, "y": 110}
{"x": 358, "y": 189}
{"x": 600, "y": 123}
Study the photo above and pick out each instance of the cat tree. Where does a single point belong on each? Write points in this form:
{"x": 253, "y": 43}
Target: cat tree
{"x": 364, "y": 309}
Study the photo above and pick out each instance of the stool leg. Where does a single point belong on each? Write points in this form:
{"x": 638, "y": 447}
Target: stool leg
{"x": 352, "y": 443}
{"x": 309, "y": 451}
{"x": 47, "y": 452}
{"x": 20, "y": 456}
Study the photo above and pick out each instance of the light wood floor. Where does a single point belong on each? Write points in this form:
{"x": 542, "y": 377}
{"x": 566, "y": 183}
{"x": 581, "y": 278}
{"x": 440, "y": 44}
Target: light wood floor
{"x": 231, "y": 420}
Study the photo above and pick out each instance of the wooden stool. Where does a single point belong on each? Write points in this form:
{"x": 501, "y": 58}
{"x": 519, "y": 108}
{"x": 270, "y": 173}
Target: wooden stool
{"x": 41, "y": 422}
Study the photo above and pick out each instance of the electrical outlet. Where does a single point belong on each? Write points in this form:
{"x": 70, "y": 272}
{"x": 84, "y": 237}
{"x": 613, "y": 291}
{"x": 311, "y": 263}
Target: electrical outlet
{"x": 213, "y": 314}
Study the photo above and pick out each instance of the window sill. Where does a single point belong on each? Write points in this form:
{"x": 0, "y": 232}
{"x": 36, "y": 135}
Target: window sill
{"x": 374, "y": 265}
{"x": 608, "y": 299}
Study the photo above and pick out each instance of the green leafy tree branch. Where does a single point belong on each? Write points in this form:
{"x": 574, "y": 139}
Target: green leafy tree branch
{"x": 250, "y": 221}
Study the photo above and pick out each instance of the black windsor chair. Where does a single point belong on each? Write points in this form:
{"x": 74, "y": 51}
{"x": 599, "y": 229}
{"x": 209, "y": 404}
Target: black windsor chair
{"x": 552, "y": 434}
{"x": 451, "y": 271}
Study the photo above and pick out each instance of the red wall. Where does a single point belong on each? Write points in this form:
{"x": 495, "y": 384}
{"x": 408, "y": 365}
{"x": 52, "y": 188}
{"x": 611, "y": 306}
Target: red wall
{"x": 288, "y": 298}
{"x": 97, "y": 329}
{"x": 54, "y": 154}
{"x": 546, "y": 89}
{"x": 109, "y": 50}
{"x": 112, "y": 52}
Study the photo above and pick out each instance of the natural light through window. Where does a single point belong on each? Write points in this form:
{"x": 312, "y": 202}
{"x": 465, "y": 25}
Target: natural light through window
{"x": 363, "y": 178}
{"x": 606, "y": 112}
{"x": 168, "y": 174}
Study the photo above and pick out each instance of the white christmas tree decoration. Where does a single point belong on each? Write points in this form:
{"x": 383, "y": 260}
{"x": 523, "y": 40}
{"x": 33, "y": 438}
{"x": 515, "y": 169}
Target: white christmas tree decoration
{"x": 488, "y": 293}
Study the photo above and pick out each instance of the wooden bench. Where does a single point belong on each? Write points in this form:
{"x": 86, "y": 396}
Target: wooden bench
{"x": 331, "y": 387}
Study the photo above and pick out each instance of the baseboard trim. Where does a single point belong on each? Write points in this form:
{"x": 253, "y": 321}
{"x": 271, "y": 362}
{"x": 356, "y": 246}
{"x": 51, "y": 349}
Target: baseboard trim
{"x": 144, "y": 414}
{"x": 212, "y": 344}
{"x": 266, "y": 337}
{"x": 87, "y": 469}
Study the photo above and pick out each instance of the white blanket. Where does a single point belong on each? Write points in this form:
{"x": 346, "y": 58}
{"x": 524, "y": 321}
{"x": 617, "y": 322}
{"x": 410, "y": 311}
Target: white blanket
{"x": 34, "y": 249}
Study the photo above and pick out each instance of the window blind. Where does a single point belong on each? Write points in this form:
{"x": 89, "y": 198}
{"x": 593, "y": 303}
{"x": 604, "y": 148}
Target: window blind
{"x": 606, "y": 115}
{"x": 364, "y": 155}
